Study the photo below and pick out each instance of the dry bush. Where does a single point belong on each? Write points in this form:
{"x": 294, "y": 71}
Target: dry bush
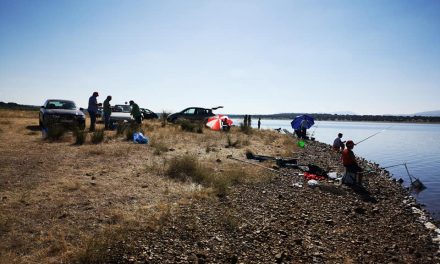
{"x": 159, "y": 146}
{"x": 80, "y": 136}
{"x": 186, "y": 168}
{"x": 245, "y": 129}
{"x": 195, "y": 127}
{"x": 163, "y": 118}
{"x": 97, "y": 247}
{"x": 97, "y": 136}
{"x": 232, "y": 143}
{"x": 131, "y": 129}
{"x": 55, "y": 132}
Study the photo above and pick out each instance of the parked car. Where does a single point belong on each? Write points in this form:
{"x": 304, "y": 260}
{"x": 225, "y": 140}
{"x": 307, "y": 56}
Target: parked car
{"x": 61, "y": 112}
{"x": 148, "y": 114}
{"x": 100, "y": 112}
{"x": 121, "y": 113}
{"x": 193, "y": 114}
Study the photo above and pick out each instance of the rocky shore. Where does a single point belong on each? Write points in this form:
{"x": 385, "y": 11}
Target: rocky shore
{"x": 283, "y": 222}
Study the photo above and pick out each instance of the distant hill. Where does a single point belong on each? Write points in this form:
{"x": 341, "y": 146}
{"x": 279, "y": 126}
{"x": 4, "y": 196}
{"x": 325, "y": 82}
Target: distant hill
{"x": 16, "y": 106}
{"x": 428, "y": 113}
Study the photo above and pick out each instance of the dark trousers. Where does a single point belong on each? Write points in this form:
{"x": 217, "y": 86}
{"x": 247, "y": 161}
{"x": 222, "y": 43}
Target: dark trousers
{"x": 138, "y": 119}
{"x": 92, "y": 120}
{"x": 353, "y": 168}
{"x": 107, "y": 120}
{"x": 303, "y": 133}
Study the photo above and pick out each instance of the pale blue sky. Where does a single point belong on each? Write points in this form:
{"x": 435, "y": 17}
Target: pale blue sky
{"x": 369, "y": 57}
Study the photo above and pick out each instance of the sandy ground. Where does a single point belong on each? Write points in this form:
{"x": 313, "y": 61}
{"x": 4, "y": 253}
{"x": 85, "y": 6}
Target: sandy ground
{"x": 113, "y": 202}
{"x": 55, "y": 196}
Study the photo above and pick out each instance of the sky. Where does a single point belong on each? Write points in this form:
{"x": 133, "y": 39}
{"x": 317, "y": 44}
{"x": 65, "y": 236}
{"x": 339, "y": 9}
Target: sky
{"x": 252, "y": 57}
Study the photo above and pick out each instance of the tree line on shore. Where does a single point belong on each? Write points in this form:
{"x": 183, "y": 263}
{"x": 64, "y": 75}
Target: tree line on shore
{"x": 336, "y": 117}
{"x": 319, "y": 117}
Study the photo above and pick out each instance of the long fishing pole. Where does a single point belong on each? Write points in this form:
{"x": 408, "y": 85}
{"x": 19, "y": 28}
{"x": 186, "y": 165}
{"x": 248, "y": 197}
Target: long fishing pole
{"x": 372, "y": 135}
{"x": 395, "y": 165}
{"x": 248, "y": 162}
{"x": 313, "y": 133}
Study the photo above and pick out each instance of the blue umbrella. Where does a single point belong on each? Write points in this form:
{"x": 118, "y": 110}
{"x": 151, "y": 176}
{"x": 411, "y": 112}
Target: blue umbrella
{"x": 296, "y": 122}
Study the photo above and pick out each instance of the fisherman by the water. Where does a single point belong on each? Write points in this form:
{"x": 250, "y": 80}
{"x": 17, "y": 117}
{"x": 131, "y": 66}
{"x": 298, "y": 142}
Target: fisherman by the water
{"x": 350, "y": 163}
{"x": 304, "y": 125}
{"x": 338, "y": 144}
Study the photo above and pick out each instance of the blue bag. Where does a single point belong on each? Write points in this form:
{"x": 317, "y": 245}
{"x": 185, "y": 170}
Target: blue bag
{"x": 140, "y": 138}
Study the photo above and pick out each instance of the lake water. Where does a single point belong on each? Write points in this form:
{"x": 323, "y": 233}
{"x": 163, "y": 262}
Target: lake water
{"x": 418, "y": 145}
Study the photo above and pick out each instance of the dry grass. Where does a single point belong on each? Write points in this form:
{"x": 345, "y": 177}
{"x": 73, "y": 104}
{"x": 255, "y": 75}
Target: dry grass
{"x": 69, "y": 203}
{"x": 6, "y": 113}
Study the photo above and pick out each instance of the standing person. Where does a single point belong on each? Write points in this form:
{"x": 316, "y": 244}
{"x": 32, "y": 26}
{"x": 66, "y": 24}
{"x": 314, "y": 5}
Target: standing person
{"x": 249, "y": 121}
{"x": 304, "y": 124}
{"x": 93, "y": 109}
{"x": 338, "y": 144}
{"x": 107, "y": 111}
{"x": 259, "y": 123}
{"x": 136, "y": 112}
{"x": 350, "y": 163}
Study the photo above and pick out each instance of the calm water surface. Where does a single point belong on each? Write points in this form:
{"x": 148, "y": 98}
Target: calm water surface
{"x": 418, "y": 145}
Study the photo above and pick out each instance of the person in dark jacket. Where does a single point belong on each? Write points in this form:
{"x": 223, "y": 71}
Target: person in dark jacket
{"x": 107, "y": 111}
{"x": 136, "y": 112}
{"x": 93, "y": 109}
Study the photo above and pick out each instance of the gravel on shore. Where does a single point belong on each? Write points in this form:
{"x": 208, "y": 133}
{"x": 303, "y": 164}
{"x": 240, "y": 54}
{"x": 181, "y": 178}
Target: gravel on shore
{"x": 278, "y": 222}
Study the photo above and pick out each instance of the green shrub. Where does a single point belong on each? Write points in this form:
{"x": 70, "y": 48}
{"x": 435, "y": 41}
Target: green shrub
{"x": 98, "y": 136}
{"x": 80, "y": 136}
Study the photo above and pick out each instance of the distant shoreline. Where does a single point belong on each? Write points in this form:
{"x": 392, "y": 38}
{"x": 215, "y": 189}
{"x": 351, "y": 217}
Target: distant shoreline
{"x": 290, "y": 116}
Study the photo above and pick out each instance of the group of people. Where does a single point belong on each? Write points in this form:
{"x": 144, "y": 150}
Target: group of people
{"x": 107, "y": 111}
{"x": 348, "y": 158}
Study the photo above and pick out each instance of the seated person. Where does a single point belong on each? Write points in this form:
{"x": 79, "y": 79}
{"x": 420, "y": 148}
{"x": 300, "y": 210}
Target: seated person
{"x": 350, "y": 163}
{"x": 225, "y": 125}
{"x": 338, "y": 144}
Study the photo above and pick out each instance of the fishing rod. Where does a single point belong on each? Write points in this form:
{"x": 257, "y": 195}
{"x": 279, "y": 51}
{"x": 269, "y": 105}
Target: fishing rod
{"x": 372, "y": 135}
{"x": 313, "y": 133}
{"x": 248, "y": 162}
{"x": 395, "y": 165}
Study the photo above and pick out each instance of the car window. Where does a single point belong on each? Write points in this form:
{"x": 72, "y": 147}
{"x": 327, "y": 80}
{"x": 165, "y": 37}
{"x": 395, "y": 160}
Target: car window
{"x": 122, "y": 108}
{"x": 55, "y": 104}
{"x": 190, "y": 111}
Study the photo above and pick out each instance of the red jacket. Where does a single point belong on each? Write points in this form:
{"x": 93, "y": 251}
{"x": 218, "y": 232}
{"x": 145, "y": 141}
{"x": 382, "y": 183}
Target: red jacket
{"x": 348, "y": 157}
